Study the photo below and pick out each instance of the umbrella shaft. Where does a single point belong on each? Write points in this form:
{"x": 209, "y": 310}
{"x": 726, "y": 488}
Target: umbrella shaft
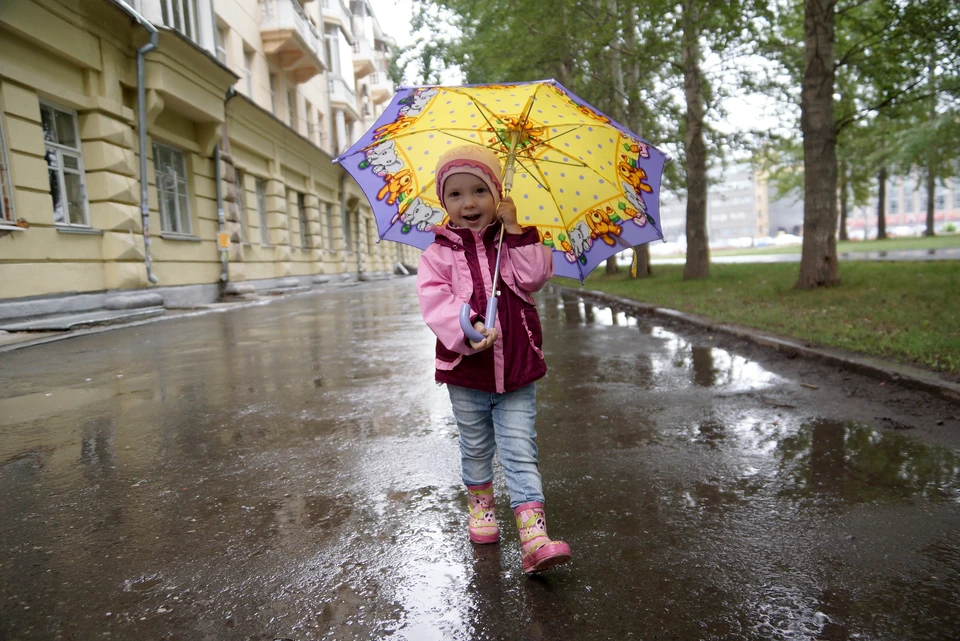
{"x": 508, "y": 172}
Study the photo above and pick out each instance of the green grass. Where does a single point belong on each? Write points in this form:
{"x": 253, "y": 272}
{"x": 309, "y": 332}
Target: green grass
{"x": 905, "y": 311}
{"x": 942, "y": 241}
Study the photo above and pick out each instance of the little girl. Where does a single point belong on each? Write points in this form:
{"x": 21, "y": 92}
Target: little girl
{"x": 491, "y": 382}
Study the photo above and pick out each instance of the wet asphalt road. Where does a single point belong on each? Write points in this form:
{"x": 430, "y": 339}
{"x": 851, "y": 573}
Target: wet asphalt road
{"x": 290, "y": 471}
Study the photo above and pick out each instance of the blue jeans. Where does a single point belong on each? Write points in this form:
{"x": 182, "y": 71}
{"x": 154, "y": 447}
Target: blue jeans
{"x": 501, "y": 423}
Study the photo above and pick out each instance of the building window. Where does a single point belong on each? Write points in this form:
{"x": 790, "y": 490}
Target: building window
{"x": 170, "y": 167}
{"x": 332, "y": 41}
{"x": 6, "y": 183}
{"x": 181, "y": 15}
{"x": 64, "y": 165}
{"x": 328, "y": 223}
{"x": 248, "y": 70}
{"x": 221, "y": 44}
{"x": 308, "y": 118}
{"x": 273, "y": 93}
{"x": 241, "y": 205}
{"x": 261, "y": 186}
{"x": 292, "y": 108}
{"x": 302, "y": 215}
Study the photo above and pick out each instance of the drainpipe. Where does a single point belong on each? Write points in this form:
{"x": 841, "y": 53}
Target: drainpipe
{"x": 142, "y": 131}
{"x": 343, "y": 215}
{"x": 221, "y": 218}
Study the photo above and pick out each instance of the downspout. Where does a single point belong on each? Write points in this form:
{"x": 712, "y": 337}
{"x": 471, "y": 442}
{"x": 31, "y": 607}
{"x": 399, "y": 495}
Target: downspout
{"x": 142, "y": 132}
{"x": 221, "y": 217}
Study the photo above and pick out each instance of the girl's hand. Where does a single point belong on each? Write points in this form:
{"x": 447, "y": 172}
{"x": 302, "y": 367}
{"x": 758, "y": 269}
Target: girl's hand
{"x": 490, "y": 337}
{"x": 507, "y": 212}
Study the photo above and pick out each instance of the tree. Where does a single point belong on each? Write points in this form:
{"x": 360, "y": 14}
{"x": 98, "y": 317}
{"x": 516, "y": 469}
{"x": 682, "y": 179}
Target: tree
{"x": 818, "y": 260}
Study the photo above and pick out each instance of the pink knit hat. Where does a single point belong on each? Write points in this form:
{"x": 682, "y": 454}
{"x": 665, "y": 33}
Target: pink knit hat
{"x": 470, "y": 159}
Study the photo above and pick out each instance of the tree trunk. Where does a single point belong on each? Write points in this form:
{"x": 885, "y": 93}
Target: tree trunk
{"x": 698, "y": 251}
{"x": 818, "y": 262}
{"x": 843, "y": 202}
{"x": 612, "y": 266}
{"x": 641, "y": 267}
{"x": 641, "y": 255}
{"x": 881, "y": 206}
{"x": 932, "y": 158}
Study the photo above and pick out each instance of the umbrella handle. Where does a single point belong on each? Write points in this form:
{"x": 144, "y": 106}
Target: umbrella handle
{"x": 489, "y": 320}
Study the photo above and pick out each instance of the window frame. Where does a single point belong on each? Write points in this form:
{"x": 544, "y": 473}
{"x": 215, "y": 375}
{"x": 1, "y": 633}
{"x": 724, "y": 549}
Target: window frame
{"x": 260, "y": 187}
{"x": 328, "y": 237}
{"x": 61, "y": 151}
{"x": 6, "y": 182}
{"x": 188, "y": 17}
{"x": 273, "y": 93}
{"x": 248, "y": 62}
{"x": 305, "y": 242}
{"x": 220, "y": 33}
{"x": 292, "y": 108}
{"x": 181, "y": 217}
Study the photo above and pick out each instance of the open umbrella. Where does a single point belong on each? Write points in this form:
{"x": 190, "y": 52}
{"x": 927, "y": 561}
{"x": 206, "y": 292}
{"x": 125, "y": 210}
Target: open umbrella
{"x": 589, "y": 185}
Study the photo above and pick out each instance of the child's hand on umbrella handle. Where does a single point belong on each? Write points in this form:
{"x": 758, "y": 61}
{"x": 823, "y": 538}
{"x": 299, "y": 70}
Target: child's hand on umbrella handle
{"x": 507, "y": 212}
{"x": 489, "y": 337}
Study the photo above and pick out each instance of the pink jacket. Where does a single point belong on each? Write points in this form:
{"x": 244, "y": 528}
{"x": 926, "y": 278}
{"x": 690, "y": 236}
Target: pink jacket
{"x": 458, "y": 268}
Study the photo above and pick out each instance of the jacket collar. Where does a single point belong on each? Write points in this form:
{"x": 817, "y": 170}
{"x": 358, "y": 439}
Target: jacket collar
{"x": 461, "y": 235}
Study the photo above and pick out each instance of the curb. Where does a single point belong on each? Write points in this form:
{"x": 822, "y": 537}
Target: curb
{"x": 908, "y": 376}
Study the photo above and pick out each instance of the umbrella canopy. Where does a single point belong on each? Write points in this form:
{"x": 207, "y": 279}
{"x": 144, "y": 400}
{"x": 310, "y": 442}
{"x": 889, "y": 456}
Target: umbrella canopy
{"x": 589, "y": 185}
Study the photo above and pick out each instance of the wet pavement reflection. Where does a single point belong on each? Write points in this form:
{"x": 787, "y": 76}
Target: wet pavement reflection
{"x": 290, "y": 471}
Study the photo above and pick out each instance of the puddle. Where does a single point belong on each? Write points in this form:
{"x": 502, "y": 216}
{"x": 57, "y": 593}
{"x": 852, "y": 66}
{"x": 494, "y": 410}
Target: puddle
{"x": 857, "y": 463}
{"x": 707, "y": 366}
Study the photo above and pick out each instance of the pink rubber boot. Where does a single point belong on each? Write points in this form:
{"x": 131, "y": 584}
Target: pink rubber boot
{"x": 539, "y": 552}
{"x": 483, "y": 522}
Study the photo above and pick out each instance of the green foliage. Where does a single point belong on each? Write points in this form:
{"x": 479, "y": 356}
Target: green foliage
{"x": 892, "y": 58}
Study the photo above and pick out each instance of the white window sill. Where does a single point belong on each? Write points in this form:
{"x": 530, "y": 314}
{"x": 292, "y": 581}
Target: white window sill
{"x": 71, "y": 229}
{"x": 190, "y": 238}
{"x": 4, "y": 226}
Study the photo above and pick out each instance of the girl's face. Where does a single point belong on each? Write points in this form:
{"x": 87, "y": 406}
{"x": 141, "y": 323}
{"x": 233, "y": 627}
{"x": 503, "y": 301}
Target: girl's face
{"x": 468, "y": 201}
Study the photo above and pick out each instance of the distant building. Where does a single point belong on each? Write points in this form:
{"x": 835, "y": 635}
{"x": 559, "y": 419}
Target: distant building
{"x": 906, "y": 208}
{"x": 740, "y": 204}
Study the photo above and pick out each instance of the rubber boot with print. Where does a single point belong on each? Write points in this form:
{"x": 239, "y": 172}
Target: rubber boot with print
{"x": 482, "y": 520}
{"x": 539, "y": 552}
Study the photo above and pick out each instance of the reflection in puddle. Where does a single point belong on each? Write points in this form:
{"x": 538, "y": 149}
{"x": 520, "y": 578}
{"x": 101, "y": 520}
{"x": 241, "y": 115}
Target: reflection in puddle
{"x": 580, "y": 311}
{"x": 856, "y": 463}
{"x": 709, "y": 366}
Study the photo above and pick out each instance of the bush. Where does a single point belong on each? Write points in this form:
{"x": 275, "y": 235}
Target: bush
{"x": 949, "y": 228}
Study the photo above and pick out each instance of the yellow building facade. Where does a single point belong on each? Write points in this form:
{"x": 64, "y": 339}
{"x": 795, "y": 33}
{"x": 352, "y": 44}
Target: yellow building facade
{"x": 235, "y": 80}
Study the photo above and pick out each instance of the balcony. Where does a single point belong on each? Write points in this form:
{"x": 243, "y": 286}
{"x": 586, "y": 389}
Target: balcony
{"x": 381, "y": 88}
{"x": 343, "y": 97}
{"x": 364, "y": 60}
{"x": 335, "y": 12}
{"x": 290, "y": 40}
